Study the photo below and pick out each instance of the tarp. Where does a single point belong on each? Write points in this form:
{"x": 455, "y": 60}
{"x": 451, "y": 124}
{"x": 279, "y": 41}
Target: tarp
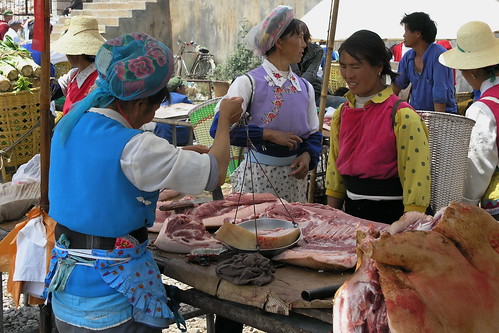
{"x": 384, "y": 16}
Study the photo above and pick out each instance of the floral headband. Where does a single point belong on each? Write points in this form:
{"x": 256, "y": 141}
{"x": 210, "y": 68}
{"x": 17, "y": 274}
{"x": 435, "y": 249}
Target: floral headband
{"x": 263, "y": 36}
{"x": 134, "y": 65}
{"x": 130, "y": 67}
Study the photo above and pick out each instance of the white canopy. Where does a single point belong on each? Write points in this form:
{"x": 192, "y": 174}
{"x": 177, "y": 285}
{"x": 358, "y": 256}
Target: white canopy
{"x": 383, "y": 16}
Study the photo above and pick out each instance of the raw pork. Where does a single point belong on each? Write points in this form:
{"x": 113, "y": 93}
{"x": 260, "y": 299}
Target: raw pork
{"x": 446, "y": 280}
{"x": 181, "y": 234}
{"x": 359, "y": 304}
{"x": 443, "y": 280}
{"x": 328, "y": 235}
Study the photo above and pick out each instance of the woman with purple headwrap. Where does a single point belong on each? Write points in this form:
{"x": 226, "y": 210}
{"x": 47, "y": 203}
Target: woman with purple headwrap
{"x": 105, "y": 176}
{"x": 282, "y": 121}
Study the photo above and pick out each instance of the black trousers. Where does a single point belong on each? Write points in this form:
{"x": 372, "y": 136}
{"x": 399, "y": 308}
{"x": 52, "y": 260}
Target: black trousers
{"x": 386, "y": 211}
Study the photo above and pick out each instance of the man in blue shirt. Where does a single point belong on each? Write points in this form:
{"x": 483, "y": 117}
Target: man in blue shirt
{"x": 432, "y": 83}
{"x": 178, "y": 94}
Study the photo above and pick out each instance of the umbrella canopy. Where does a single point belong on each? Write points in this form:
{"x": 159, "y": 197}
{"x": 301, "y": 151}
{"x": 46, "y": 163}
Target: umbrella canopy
{"x": 383, "y": 16}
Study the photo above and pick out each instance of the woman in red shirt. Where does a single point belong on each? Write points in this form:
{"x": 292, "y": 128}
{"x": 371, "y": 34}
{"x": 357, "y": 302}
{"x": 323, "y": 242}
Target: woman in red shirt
{"x": 80, "y": 44}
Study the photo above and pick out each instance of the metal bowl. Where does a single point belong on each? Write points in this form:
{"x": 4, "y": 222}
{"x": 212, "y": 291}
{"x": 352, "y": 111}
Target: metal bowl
{"x": 265, "y": 224}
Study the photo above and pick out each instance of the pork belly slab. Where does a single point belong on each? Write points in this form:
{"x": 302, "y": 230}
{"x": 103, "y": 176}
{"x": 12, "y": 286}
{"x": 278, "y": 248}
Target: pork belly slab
{"x": 181, "y": 234}
{"x": 328, "y": 235}
{"x": 445, "y": 279}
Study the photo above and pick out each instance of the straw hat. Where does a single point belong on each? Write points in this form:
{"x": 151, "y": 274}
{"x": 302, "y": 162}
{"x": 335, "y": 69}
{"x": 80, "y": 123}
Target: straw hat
{"x": 477, "y": 47}
{"x": 82, "y": 37}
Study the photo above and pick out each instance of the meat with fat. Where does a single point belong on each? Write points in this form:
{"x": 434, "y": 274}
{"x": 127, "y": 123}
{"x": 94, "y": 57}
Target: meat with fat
{"x": 440, "y": 280}
{"x": 181, "y": 234}
{"x": 359, "y": 304}
{"x": 328, "y": 236}
{"x": 243, "y": 239}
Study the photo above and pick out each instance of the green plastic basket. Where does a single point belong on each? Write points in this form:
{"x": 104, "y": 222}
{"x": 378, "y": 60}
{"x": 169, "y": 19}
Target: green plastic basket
{"x": 201, "y": 118}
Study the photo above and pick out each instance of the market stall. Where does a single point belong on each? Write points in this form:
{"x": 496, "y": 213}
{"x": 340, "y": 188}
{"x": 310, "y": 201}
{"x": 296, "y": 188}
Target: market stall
{"x": 276, "y": 307}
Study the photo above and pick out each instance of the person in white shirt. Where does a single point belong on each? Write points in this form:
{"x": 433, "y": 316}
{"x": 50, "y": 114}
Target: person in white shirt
{"x": 14, "y": 27}
{"x": 477, "y": 56}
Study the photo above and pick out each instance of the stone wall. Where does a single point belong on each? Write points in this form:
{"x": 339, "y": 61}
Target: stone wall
{"x": 215, "y": 23}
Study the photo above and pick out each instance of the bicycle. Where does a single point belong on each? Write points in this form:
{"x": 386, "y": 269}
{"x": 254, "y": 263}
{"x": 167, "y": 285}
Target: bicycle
{"x": 203, "y": 65}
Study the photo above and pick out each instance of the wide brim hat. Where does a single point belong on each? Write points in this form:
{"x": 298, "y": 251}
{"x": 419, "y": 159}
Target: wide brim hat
{"x": 82, "y": 37}
{"x": 477, "y": 47}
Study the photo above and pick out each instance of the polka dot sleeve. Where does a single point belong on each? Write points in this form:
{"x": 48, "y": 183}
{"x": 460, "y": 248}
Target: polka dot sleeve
{"x": 334, "y": 181}
{"x": 413, "y": 159}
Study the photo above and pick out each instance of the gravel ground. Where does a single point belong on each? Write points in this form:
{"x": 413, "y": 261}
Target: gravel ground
{"x": 25, "y": 319}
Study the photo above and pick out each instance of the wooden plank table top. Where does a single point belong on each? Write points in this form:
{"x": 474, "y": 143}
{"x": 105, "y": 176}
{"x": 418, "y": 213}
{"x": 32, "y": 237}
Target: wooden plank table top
{"x": 282, "y": 296}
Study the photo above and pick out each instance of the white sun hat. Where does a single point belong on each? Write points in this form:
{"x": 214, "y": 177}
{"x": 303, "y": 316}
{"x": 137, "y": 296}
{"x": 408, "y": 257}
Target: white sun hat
{"x": 82, "y": 37}
{"x": 477, "y": 47}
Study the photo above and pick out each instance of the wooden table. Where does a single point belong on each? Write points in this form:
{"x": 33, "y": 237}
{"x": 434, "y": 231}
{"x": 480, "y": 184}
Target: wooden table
{"x": 275, "y": 307}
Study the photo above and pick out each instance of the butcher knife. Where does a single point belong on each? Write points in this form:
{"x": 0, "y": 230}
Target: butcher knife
{"x": 320, "y": 293}
{"x": 174, "y": 205}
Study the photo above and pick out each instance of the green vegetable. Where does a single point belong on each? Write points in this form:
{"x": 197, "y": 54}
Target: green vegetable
{"x": 23, "y": 83}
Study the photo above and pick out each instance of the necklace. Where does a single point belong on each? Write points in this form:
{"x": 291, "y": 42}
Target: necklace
{"x": 123, "y": 114}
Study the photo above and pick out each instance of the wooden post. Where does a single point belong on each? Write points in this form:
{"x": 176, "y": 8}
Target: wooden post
{"x": 45, "y": 112}
{"x": 45, "y": 325}
{"x": 325, "y": 84}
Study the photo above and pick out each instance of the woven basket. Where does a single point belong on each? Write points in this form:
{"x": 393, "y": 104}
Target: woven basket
{"x": 18, "y": 114}
{"x": 201, "y": 118}
{"x": 449, "y": 138}
{"x": 61, "y": 68}
{"x": 463, "y": 96}
{"x": 335, "y": 79}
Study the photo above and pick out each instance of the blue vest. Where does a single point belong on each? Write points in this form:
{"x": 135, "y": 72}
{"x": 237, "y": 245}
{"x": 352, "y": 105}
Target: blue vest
{"x": 88, "y": 191}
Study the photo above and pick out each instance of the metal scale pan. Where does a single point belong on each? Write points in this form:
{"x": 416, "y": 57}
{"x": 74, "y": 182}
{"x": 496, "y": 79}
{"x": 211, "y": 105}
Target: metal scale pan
{"x": 261, "y": 224}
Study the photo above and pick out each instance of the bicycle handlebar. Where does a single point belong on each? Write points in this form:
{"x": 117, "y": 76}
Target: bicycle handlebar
{"x": 187, "y": 43}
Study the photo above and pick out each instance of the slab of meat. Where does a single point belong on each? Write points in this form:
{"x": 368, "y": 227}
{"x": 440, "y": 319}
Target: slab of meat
{"x": 359, "y": 304}
{"x": 181, "y": 234}
{"x": 446, "y": 280}
{"x": 328, "y": 235}
{"x": 243, "y": 239}
{"x": 250, "y": 198}
{"x": 443, "y": 280}
{"x": 214, "y": 214}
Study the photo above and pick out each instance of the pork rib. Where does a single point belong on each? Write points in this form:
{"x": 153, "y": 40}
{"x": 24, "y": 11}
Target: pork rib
{"x": 182, "y": 234}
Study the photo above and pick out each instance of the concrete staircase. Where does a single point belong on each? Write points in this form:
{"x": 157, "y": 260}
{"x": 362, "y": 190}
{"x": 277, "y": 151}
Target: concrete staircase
{"x": 109, "y": 14}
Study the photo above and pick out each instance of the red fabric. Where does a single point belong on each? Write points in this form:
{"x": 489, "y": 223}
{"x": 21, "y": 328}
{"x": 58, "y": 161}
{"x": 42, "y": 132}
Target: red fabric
{"x": 397, "y": 52}
{"x": 4, "y": 27}
{"x": 75, "y": 94}
{"x": 367, "y": 143}
{"x": 39, "y": 28}
{"x": 494, "y": 107}
{"x": 445, "y": 43}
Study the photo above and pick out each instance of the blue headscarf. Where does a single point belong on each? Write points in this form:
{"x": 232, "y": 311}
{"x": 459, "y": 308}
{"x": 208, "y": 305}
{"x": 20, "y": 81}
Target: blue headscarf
{"x": 130, "y": 67}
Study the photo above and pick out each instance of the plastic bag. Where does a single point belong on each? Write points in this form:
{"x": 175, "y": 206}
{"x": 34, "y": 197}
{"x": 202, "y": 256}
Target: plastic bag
{"x": 28, "y": 172}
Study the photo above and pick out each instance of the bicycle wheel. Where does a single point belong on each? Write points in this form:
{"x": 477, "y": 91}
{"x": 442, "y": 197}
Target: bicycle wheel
{"x": 203, "y": 68}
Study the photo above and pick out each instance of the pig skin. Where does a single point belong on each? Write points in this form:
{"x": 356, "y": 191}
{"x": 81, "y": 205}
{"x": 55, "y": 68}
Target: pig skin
{"x": 444, "y": 280}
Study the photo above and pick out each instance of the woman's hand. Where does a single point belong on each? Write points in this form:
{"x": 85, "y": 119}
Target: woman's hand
{"x": 300, "y": 166}
{"x": 287, "y": 139}
{"x": 202, "y": 149}
{"x": 231, "y": 110}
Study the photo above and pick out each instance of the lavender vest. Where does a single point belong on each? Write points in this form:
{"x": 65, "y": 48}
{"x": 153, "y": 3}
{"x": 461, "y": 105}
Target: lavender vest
{"x": 279, "y": 108}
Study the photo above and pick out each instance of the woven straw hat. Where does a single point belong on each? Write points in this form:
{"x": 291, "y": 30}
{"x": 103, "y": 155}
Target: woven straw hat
{"x": 82, "y": 37}
{"x": 477, "y": 47}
